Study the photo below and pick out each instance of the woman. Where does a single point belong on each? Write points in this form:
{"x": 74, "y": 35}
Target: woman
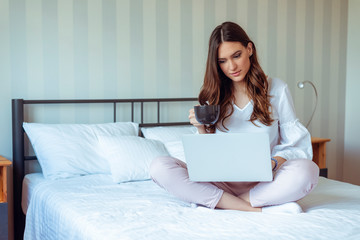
{"x": 249, "y": 102}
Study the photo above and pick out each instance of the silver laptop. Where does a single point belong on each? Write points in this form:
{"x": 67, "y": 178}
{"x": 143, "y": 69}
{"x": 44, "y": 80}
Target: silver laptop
{"x": 230, "y": 157}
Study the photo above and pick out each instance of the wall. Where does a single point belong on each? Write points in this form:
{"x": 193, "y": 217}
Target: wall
{"x": 352, "y": 114}
{"x": 157, "y": 48}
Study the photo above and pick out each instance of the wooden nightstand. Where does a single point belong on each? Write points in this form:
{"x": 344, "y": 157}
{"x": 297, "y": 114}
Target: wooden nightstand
{"x": 4, "y": 163}
{"x": 319, "y": 153}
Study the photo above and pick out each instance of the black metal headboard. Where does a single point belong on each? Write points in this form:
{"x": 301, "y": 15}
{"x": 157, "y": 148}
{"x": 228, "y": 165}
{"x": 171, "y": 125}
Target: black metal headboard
{"x": 19, "y": 157}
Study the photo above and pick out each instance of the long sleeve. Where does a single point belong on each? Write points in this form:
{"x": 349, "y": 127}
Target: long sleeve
{"x": 294, "y": 140}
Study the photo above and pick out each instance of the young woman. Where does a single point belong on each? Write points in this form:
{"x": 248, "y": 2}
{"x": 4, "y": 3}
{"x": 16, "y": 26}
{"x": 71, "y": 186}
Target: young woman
{"x": 249, "y": 102}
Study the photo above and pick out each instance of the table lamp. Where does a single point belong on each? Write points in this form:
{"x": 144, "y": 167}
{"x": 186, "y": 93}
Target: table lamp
{"x": 301, "y": 85}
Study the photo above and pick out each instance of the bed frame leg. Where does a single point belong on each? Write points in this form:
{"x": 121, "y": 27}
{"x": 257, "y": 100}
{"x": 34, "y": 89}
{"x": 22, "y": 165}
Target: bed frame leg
{"x": 18, "y": 165}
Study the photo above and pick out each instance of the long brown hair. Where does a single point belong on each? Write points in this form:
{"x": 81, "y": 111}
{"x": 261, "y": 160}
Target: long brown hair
{"x": 218, "y": 89}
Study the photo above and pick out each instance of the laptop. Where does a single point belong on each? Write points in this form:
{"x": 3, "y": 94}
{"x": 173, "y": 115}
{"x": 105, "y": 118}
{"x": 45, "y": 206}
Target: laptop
{"x": 229, "y": 157}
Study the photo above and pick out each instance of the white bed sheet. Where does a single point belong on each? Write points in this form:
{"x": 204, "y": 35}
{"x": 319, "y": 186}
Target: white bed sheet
{"x": 93, "y": 207}
{"x": 29, "y": 183}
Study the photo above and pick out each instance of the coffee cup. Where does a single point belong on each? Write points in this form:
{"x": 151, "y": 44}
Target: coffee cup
{"x": 207, "y": 114}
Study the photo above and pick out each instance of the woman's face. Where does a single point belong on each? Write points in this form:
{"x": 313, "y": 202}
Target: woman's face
{"x": 234, "y": 60}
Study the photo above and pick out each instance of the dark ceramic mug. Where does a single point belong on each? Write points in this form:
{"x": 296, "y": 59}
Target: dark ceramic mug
{"x": 207, "y": 114}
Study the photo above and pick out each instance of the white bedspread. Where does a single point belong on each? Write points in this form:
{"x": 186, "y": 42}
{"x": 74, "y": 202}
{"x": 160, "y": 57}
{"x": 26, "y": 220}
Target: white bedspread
{"x": 93, "y": 207}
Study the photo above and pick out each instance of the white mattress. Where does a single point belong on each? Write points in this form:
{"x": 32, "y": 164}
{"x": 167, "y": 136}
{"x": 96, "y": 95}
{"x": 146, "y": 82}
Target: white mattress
{"x": 93, "y": 207}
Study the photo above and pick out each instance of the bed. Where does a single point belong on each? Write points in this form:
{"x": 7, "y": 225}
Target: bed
{"x": 121, "y": 202}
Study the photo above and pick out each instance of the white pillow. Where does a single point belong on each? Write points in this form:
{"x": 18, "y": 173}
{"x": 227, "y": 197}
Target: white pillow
{"x": 68, "y": 150}
{"x": 176, "y": 150}
{"x": 171, "y": 137}
{"x": 130, "y": 157}
{"x": 167, "y": 134}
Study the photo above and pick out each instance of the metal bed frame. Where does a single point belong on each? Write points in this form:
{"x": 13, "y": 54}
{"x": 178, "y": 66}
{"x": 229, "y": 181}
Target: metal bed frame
{"x": 19, "y": 156}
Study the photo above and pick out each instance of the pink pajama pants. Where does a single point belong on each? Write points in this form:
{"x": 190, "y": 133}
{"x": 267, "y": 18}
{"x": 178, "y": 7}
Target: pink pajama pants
{"x": 292, "y": 181}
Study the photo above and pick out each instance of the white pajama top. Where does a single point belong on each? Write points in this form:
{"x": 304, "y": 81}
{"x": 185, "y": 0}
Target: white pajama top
{"x": 288, "y": 137}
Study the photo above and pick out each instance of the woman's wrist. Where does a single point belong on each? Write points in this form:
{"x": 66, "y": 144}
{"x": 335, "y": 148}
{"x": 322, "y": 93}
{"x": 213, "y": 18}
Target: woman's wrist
{"x": 277, "y": 162}
{"x": 274, "y": 164}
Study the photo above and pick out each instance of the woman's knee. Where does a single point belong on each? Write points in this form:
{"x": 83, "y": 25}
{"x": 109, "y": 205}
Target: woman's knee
{"x": 293, "y": 181}
{"x": 307, "y": 175}
{"x": 160, "y": 167}
{"x": 310, "y": 170}
{"x": 313, "y": 170}
{"x": 157, "y": 166}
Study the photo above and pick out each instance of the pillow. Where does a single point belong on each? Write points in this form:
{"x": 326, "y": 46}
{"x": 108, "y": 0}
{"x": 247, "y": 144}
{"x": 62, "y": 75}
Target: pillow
{"x": 171, "y": 137}
{"x": 176, "y": 150}
{"x": 69, "y": 150}
{"x": 130, "y": 157}
{"x": 167, "y": 134}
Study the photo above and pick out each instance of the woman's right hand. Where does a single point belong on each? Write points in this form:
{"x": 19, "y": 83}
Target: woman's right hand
{"x": 195, "y": 123}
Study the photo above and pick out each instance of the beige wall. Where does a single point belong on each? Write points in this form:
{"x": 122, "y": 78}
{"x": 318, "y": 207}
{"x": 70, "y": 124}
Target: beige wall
{"x": 157, "y": 48}
{"x": 352, "y": 115}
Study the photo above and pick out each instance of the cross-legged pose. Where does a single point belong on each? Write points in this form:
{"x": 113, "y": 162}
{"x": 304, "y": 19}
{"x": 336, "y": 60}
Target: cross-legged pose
{"x": 249, "y": 101}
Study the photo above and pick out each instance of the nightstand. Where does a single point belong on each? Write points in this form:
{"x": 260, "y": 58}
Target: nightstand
{"x": 4, "y": 163}
{"x": 319, "y": 153}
